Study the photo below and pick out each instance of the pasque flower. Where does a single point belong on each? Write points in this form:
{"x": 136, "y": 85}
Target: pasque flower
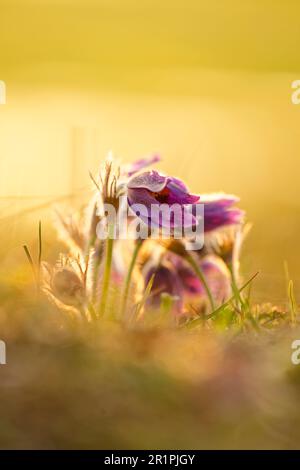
{"x": 64, "y": 281}
{"x": 166, "y": 205}
{"x": 175, "y": 277}
{"x": 150, "y": 189}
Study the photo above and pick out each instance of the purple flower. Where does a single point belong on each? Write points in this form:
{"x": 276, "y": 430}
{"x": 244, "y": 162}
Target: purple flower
{"x": 218, "y": 278}
{"x": 218, "y": 211}
{"x": 151, "y": 189}
{"x": 166, "y": 281}
{"x": 175, "y": 277}
{"x": 140, "y": 164}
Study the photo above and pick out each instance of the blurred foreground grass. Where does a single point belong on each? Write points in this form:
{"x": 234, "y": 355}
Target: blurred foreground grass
{"x": 71, "y": 385}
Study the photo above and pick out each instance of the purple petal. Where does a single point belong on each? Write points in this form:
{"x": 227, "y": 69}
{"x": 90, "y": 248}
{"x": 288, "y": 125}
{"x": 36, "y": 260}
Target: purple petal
{"x": 165, "y": 281}
{"x": 218, "y": 211}
{"x": 142, "y": 163}
{"x": 153, "y": 213}
{"x": 166, "y": 199}
{"x": 213, "y": 219}
{"x": 218, "y": 278}
{"x": 190, "y": 282}
{"x": 224, "y": 200}
{"x": 142, "y": 197}
{"x": 179, "y": 193}
{"x": 150, "y": 180}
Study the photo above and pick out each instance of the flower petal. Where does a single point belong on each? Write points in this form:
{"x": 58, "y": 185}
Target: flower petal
{"x": 218, "y": 211}
{"x": 179, "y": 193}
{"x": 150, "y": 180}
{"x": 159, "y": 215}
{"x": 142, "y": 163}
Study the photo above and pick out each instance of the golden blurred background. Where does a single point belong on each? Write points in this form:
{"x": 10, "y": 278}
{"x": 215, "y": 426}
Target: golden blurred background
{"x": 205, "y": 84}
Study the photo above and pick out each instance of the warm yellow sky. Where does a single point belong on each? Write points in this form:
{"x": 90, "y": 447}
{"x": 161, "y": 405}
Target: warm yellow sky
{"x": 55, "y": 41}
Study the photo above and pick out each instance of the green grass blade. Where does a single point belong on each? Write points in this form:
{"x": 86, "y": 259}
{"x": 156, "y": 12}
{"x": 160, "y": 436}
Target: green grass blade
{"x": 197, "y": 321}
{"x": 29, "y": 257}
{"x": 141, "y": 304}
{"x": 292, "y": 301}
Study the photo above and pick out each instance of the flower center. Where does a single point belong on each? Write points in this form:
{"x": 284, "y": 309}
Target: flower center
{"x": 162, "y": 196}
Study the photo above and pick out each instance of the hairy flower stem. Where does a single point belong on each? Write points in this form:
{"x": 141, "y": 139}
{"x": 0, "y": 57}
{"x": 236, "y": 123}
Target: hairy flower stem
{"x": 107, "y": 270}
{"x": 138, "y": 245}
{"x": 97, "y": 265}
{"x": 202, "y": 278}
